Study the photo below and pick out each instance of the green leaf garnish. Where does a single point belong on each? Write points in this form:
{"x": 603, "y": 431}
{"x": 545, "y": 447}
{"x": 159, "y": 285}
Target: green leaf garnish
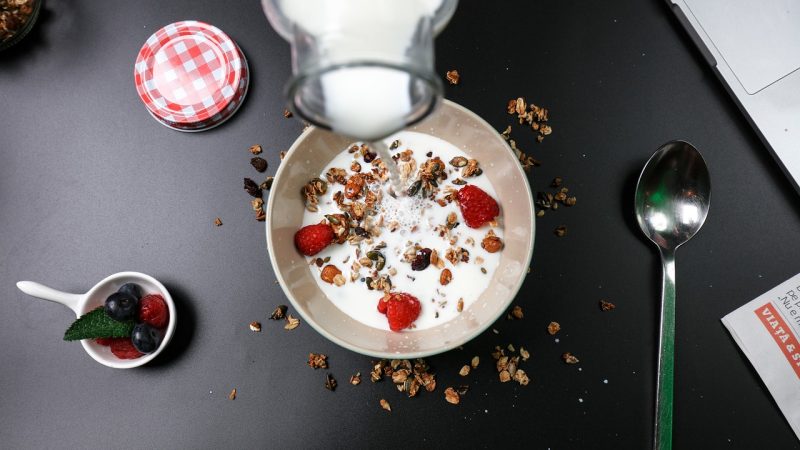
{"x": 97, "y": 324}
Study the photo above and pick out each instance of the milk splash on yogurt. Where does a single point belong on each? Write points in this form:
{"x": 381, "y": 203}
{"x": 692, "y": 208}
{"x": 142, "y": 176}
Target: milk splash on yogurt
{"x": 416, "y": 221}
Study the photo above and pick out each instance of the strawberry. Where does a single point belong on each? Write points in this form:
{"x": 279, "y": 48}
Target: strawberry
{"x": 312, "y": 239}
{"x": 401, "y": 309}
{"x": 123, "y": 348}
{"x": 477, "y": 206}
{"x": 153, "y": 311}
{"x": 104, "y": 341}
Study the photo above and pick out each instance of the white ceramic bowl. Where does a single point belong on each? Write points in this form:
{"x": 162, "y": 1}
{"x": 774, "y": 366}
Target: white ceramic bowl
{"x": 314, "y": 149}
{"x": 80, "y": 304}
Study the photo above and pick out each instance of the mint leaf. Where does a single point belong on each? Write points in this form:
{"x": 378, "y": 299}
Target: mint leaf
{"x": 97, "y": 324}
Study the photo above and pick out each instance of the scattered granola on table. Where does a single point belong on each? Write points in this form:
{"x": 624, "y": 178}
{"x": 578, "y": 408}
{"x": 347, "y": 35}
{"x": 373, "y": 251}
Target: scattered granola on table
{"x": 452, "y": 76}
{"x": 569, "y": 358}
{"x": 330, "y": 382}
{"x": 279, "y": 313}
{"x": 451, "y": 396}
{"x": 255, "y": 327}
{"x": 291, "y": 322}
{"x": 255, "y": 149}
{"x": 317, "y": 361}
{"x": 606, "y": 306}
{"x": 355, "y": 380}
{"x": 530, "y": 114}
{"x": 553, "y": 328}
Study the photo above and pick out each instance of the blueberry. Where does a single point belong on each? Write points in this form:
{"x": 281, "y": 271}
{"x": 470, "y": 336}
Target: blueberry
{"x": 121, "y": 306}
{"x": 145, "y": 338}
{"x": 131, "y": 289}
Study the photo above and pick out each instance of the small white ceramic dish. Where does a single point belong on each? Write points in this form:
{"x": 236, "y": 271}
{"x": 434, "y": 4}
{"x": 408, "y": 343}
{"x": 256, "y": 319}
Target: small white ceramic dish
{"x": 80, "y": 304}
{"x": 314, "y": 149}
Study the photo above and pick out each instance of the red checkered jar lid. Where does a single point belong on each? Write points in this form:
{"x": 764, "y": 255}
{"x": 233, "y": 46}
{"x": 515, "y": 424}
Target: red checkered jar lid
{"x": 191, "y": 76}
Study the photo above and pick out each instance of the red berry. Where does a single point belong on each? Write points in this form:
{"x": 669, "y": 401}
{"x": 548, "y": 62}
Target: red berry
{"x": 153, "y": 311}
{"x": 382, "y": 304}
{"x": 477, "y": 206}
{"x": 104, "y": 341}
{"x": 312, "y": 239}
{"x": 401, "y": 309}
{"x": 123, "y": 348}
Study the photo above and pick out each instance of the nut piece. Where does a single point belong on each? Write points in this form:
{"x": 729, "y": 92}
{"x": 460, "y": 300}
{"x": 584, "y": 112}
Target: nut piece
{"x": 287, "y": 113}
{"x": 505, "y": 376}
{"x": 329, "y": 272}
{"x": 464, "y": 370}
{"x": 255, "y": 326}
{"x": 355, "y": 380}
{"x": 385, "y": 405}
{"x": 355, "y": 166}
{"x": 218, "y": 222}
{"x": 524, "y": 353}
{"x": 460, "y": 305}
{"x": 553, "y": 328}
{"x": 255, "y": 149}
{"x": 353, "y": 187}
{"x": 339, "y": 280}
{"x": 452, "y": 76}
{"x": 517, "y": 312}
{"x": 232, "y": 395}
{"x": 491, "y": 243}
{"x": 475, "y": 361}
{"x": 561, "y": 231}
{"x": 606, "y": 306}
{"x": 445, "y": 277}
{"x": 569, "y": 358}
{"x": 451, "y": 396}
{"x": 291, "y": 323}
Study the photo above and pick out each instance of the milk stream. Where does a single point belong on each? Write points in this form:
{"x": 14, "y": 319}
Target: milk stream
{"x": 418, "y": 219}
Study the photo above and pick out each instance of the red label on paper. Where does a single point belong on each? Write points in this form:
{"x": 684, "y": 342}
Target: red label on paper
{"x": 782, "y": 334}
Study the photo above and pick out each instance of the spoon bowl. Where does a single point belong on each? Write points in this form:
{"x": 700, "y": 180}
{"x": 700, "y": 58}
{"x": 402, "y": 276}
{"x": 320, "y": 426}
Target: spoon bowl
{"x": 80, "y": 304}
{"x": 671, "y": 204}
{"x": 673, "y": 195}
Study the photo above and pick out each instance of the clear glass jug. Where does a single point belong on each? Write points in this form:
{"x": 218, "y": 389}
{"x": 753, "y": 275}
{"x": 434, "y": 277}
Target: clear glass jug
{"x": 363, "y": 68}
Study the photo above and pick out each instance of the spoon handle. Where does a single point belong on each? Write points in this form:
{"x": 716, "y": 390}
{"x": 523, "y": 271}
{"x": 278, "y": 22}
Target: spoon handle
{"x": 71, "y": 301}
{"x": 666, "y": 356}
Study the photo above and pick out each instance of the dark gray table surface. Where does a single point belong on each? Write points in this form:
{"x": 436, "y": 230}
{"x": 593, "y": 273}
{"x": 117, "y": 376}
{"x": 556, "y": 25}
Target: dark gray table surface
{"x": 90, "y": 185}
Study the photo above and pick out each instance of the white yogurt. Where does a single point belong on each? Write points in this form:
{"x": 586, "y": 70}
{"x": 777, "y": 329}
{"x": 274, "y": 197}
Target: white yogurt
{"x": 439, "y": 303}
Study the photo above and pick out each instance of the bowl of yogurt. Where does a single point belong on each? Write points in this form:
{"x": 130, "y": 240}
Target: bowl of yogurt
{"x": 399, "y": 227}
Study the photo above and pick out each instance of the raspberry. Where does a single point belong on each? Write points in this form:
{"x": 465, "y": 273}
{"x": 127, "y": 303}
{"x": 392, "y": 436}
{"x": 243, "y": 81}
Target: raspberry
{"x": 382, "y": 303}
{"x": 312, "y": 239}
{"x": 104, "y": 341}
{"x": 153, "y": 311}
{"x": 477, "y": 206}
{"x": 401, "y": 310}
{"x": 123, "y": 348}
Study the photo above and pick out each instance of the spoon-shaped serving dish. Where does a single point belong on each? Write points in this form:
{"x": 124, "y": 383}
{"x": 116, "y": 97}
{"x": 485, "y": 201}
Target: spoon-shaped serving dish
{"x": 80, "y": 304}
{"x": 671, "y": 204}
